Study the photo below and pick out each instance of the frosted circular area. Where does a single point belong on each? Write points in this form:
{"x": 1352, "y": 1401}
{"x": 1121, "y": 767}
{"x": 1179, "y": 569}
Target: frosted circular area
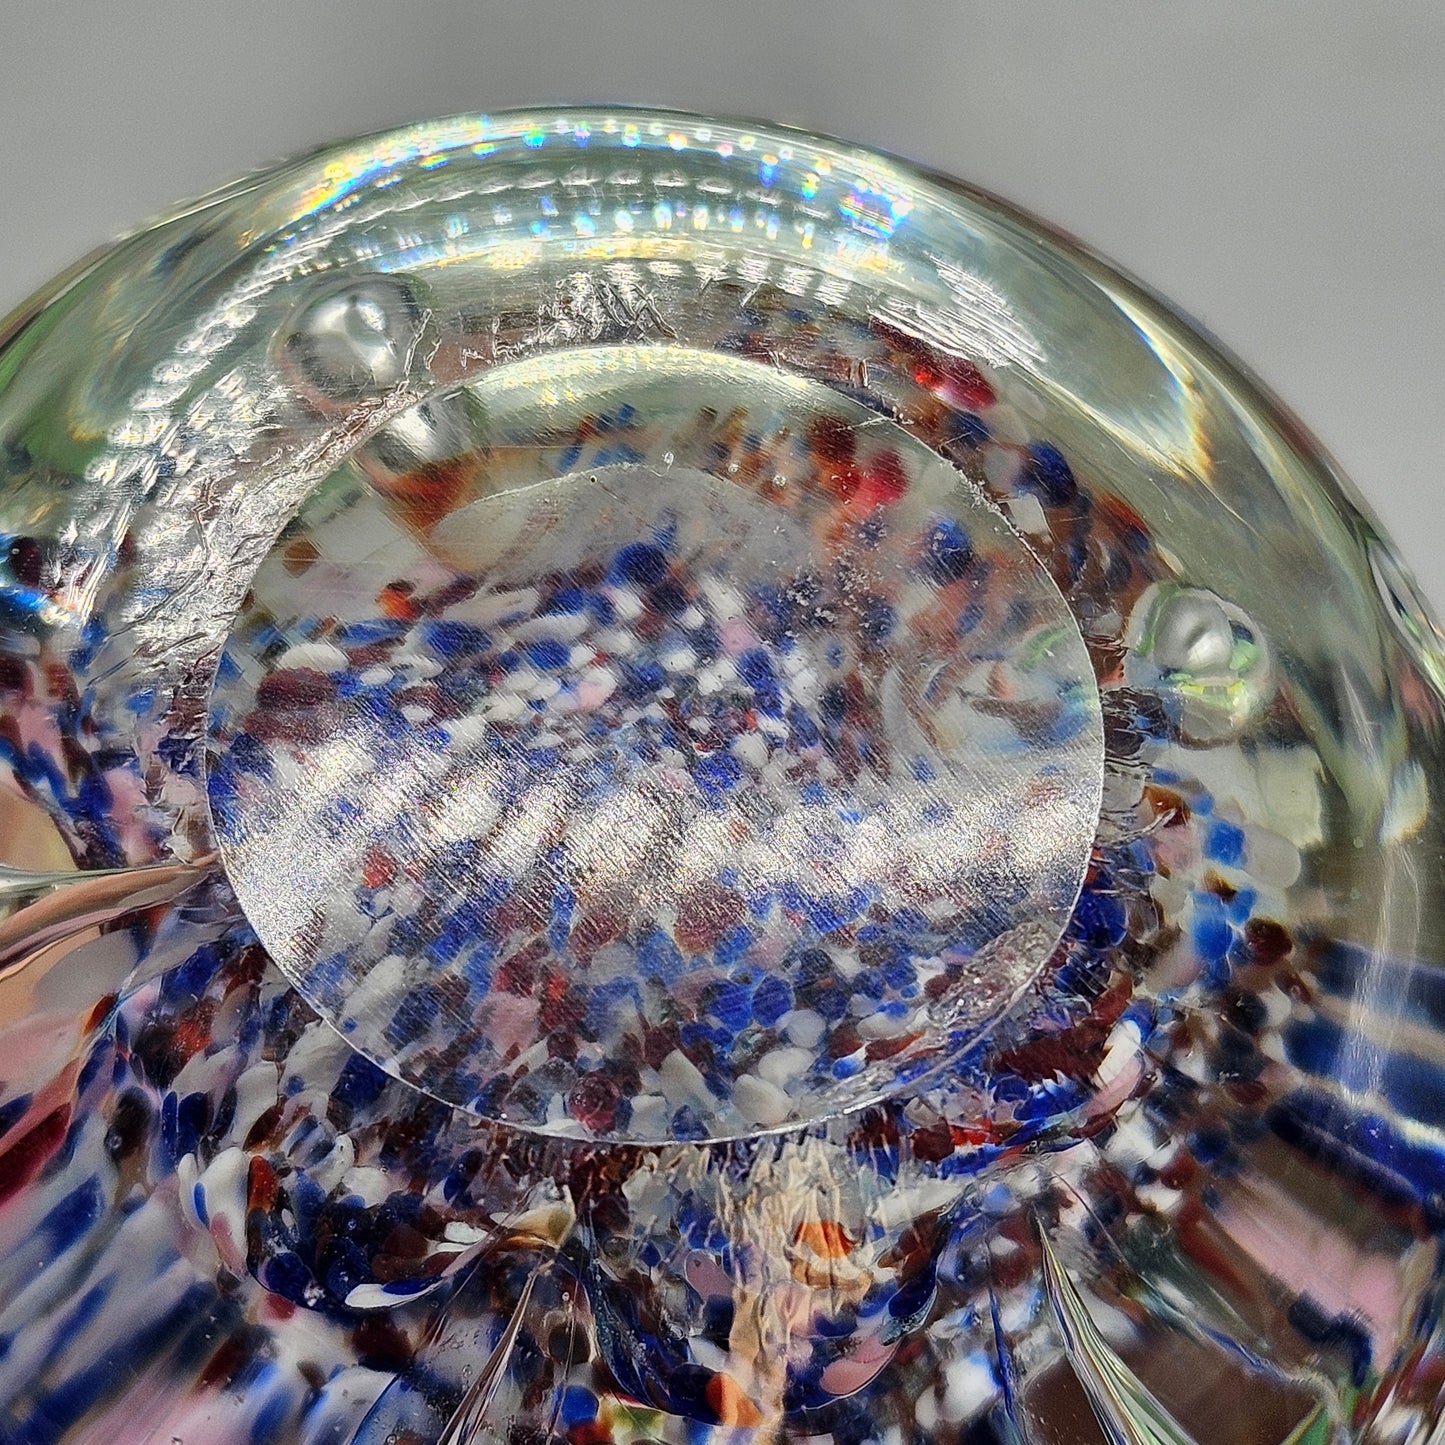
{"x": 645, "y": 745}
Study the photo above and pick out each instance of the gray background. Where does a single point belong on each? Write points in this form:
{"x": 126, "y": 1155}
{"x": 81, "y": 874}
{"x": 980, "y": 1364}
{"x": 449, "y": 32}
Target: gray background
{"x": 1277, "y": 168}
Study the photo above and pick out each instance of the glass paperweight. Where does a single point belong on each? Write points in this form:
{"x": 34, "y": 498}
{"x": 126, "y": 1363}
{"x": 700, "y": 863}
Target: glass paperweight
{"x": 665, "y": 782}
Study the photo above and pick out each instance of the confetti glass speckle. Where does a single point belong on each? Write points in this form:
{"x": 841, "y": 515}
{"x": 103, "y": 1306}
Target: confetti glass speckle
{"x": 668, "y": 782}
{"x": 677, "y": 794}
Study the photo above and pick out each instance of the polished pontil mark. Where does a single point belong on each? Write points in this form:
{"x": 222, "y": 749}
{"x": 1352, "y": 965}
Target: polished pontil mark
{"x": 587, "y": 780}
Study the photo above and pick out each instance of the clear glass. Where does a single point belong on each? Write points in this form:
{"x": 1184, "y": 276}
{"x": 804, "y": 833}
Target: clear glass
{"x": 662, "y": 780}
